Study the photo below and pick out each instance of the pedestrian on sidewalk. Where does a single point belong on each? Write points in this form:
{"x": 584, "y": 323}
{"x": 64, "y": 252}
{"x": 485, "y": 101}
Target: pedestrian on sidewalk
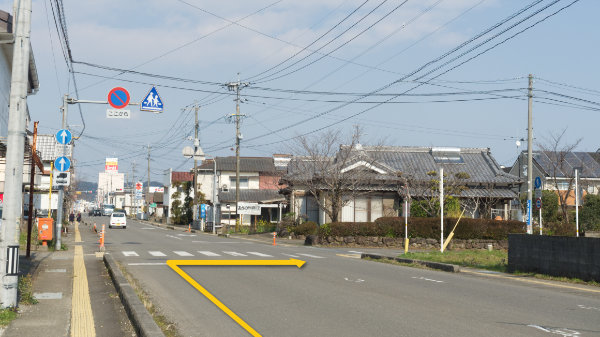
{"x": 79, "y": 217}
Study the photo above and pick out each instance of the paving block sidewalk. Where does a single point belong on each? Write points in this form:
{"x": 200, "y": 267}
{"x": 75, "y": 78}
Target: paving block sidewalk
{"x": 53, "y": 288}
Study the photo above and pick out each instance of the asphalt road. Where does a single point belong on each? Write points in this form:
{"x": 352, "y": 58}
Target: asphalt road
{"x": 337, "y": 294}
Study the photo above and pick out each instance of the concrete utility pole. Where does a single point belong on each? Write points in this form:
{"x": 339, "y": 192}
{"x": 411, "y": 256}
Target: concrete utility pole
{"x": 15, "y": 143}
{"x": 61, "y": 189}
{"x": 530, "y": 155}
{"x": 577, "y": 201}
{"x": 148, "y": 195}
{"x": 236, "y": 86}
{"x": 195, "y": 177}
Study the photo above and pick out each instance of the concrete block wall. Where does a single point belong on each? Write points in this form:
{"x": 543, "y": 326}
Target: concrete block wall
{"x": 555, "y": 255}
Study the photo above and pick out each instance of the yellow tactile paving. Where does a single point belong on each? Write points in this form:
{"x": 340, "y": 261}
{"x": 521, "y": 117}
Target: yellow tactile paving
{"x": 77, "y": 234}
{"x": 82, "y": 319}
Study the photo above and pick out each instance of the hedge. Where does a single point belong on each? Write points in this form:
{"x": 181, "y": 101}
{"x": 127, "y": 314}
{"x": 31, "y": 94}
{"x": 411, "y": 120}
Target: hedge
{"x": 307, "y": 228}
{"x": 425, "y": 228}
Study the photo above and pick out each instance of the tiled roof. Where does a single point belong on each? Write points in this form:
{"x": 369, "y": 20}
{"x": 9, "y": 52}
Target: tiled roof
{"x": 247, "y": 164}
{"x": 264, "y": 196}
{"x": 584, "y": 161}
{"x": 478, "y": 163}
{"x": 49, "y": 149}
{"x": 182, "y": 176}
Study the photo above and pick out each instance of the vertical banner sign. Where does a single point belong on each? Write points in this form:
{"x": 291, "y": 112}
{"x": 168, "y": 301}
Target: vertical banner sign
{"x": 529, "y": 228}
{"x": 203, "y": 211}
{"x": 138, "y": 190}
{"x": 112, "y": 165}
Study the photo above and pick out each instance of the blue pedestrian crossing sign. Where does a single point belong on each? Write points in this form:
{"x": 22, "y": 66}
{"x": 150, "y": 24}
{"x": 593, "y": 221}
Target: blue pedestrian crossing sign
{"x": 62, "y": 164}
{"x": 152, "y": 102}
{"x": 64, "y": 136}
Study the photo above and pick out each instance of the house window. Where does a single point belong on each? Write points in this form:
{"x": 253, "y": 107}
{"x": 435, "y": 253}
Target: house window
{"x": 562, "y": 185}
{"x": 243, "y": 183}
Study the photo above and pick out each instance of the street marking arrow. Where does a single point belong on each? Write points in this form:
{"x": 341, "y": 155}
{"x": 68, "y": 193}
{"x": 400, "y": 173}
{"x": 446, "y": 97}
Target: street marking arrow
{"x": 174, "y": 264}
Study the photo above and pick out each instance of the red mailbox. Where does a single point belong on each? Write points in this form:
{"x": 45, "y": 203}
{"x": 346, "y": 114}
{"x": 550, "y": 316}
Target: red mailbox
{"x": 45, "y": 229}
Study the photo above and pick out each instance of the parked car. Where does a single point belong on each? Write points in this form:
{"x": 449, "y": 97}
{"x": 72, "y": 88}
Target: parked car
{"x": 118, "y": 219}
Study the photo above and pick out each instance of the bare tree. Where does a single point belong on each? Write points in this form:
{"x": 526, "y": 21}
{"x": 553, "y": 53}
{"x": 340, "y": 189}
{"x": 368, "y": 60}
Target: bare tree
{"x": 424, "y": 187}
{"x": 333, "y": 174}
{"x": 561, "y": 170}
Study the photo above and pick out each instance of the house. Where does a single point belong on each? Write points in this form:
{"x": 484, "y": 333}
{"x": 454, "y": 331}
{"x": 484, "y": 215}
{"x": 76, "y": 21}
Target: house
{"x": 172, "y": 186}
{"x": 258, "y": 186}
{"x": 377, "y": 179}
{"x": 557, "y": 172}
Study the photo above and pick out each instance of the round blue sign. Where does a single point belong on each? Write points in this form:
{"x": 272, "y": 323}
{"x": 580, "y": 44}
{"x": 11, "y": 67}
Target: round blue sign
{"x": 64, "y": 136}
{"x": 62, "y": 164}
{"x": 538, "y": 182}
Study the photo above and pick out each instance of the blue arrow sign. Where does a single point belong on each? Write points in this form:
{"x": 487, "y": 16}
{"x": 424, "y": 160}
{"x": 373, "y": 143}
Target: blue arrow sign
{"x": 152, "y": 102}
{"x": 64, "y": 136}
{"x": 62, "y": 164}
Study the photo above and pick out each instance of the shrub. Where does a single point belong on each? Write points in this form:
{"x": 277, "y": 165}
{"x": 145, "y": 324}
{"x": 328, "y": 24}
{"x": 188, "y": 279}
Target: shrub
{"x": 426, "y": 228}
{"x": 307, "y": 228}
{"x": 559, "y": 229}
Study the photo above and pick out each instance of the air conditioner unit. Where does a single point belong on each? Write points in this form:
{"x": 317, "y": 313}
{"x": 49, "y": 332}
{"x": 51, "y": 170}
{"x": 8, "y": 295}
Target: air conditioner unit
{"x": 224, "y": 188}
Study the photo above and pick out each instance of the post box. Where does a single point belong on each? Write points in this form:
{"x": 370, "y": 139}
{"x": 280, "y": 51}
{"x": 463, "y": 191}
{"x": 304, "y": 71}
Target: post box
{"x": 45, "y": 229}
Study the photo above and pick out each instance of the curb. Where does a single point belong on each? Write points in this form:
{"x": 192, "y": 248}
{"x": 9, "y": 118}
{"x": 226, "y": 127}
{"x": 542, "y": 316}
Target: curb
{"x": 142, "y": 321}
{"x": 433, "y": 265}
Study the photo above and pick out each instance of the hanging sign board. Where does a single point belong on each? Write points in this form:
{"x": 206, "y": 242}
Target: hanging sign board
{"x": 248, "y": 208}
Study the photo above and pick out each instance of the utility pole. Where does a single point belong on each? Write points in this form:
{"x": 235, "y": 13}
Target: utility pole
{"x": 133, "y": 183}
{"x": 529, "y": 154}
{"x": 148, "y": 195}
{"x": 195, "y": 177}
{"x": 61, "y": 189}
{"x": 236, "y": 86}
{"x": 441, "y": 209}
{"x": 15, "y": 143}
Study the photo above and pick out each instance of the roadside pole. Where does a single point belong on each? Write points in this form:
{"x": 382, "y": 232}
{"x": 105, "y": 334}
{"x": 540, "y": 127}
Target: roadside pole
{"x": 214, "y": 198}
{"x": 530, "y": 155}
{"x": 15, "y": 143}
{"x": 61, "y": 195}
{"x": 441, "y": 209}
{"x": 405, "y": 226}
{"x": 577, "y": 202}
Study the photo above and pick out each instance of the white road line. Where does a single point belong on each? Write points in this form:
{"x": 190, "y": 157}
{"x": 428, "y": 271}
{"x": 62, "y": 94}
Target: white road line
{"x": 207, "y": 253}
{"x": 174, "y": 237}
{"x": 290, "y": 255}
{"x": 235, "y": 254}
{"x": 353, "y": 251}
{"x": 147, "y": 228}
{"x": 310, "y": 255}
{"x": 157, "y": 253}
{"x": 260, "y": 254}
{"x": 130, "y": 253}
{"x": 56, "y": 270}
{"x": 427, "y": 279}
{"x": 182, "y": 253}
{"x": 186, "y": 234}
{"x": 147, "y": 264}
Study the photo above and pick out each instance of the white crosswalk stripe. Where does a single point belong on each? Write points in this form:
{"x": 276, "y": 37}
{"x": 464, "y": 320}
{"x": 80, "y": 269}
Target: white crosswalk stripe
{"x": 235, "y": 254}
{"x": 290, "y": 255}
{"x": 310, "y": 255}
{"x": 182, "y": 253}
{"x": 157, "y": 253}
{"x": 260, "y": 254}
{"x": 130, "y": 253}
{"x": 207, "y": 253}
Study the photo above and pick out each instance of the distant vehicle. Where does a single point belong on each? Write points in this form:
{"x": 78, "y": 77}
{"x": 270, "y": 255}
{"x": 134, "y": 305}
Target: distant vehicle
{"x": 107, "y": 209}
{"x": 96, "y": 212}
{"x": 118, "y": 219}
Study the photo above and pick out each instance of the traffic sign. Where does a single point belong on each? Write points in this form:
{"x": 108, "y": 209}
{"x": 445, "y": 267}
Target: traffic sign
{"x": 64, "y": 136}
{"x": 152, "y": 102}
{"x": 203, "y": 211}
{"x": 118, "y": 113}
{"x": 538, "y": 183}
{"x": 62, "y": 163}
{"x": 118, "y": 97}
{"x": 61, "y": 178}
{"x": 538, "y": 203}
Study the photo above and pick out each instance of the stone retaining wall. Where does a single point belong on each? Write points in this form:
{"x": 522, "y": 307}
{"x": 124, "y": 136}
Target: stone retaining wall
{"x": 414, "y": 243}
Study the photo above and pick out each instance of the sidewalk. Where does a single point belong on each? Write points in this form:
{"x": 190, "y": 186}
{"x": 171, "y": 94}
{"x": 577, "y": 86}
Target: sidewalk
{"x": 74, "y": 292}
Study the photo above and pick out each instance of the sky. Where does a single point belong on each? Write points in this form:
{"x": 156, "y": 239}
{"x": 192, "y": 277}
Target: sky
{"x": 410, "y": 73}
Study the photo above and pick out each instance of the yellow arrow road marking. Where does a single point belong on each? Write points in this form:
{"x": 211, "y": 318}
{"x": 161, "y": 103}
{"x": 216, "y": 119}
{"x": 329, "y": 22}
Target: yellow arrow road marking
{"x": 174, "y": 264}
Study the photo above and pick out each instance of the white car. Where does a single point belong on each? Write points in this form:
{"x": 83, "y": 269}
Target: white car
{"x": 118, "y": 219}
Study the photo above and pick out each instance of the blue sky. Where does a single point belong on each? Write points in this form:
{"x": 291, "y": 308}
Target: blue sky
{"x": 365, "y": 46}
